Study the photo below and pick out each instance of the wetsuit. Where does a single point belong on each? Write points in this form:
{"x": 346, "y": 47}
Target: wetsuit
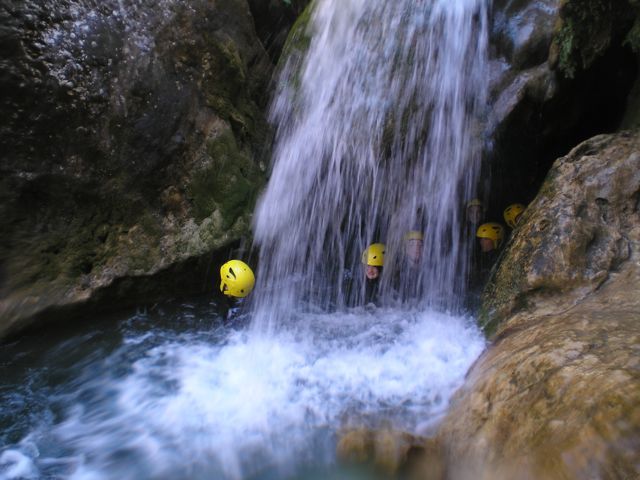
{"x": 481, "y": 265}
{"x": 230, "y": 307}
{"x": 406, "y": 280}
{"x": 371, "y": 291}
{"x": 353, "y": 294}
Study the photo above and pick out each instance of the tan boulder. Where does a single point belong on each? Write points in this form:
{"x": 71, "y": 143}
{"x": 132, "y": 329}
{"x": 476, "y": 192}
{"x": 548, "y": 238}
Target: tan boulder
{"x": 557, "y": 393}
{"x": 391, "y": 452}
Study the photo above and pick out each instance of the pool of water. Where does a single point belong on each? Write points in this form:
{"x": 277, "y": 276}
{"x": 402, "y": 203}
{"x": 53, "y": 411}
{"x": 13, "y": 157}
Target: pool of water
{"x": 178, "y": 392}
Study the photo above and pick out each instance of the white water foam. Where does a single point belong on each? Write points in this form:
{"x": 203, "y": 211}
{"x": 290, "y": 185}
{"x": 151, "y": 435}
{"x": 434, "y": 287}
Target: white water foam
{"x": 188, "y": 409}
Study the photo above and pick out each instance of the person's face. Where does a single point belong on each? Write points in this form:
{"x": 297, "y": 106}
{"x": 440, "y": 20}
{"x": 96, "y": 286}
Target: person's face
{"x": 413, "y": 249}
{"x": 371, "y": 272}
{"x": 474, "y": 214}
{"x": 486, "y": 244}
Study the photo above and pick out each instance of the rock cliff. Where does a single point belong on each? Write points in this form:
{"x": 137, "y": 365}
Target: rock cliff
{"x": 557, "y": 393}
{"x": 133, "y": 142}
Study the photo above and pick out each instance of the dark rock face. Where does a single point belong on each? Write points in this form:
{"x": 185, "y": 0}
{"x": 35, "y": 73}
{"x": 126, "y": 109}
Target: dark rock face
{"x": 557, "y": 394}
{"x": 587, "y": 29}
{"x": 575, "y": 233}
{"x": 546, "y": 71}
{"x": 131, "y": 142}
{"x": 273, "y": 19}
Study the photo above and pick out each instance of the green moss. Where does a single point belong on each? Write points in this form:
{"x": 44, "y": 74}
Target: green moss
{"x": 503, "y": 293}
{"x": 294, "y": 50}
{"x": 228, "y": 184}
{"x": 565, "y": 41}
{"x": 226, "y": 95}
{"x": 588, "y": 29}
{"x": 226, "y": 91}
{"x": 299, "y": 38}
{"x": 150, "y": 224}
{"x": 633, "y": 37}
{"x": 223, "y": 67}
{"x": 486, "y": 322}
{"x": 233, "y": 62}
{"x": 60, "y": 230}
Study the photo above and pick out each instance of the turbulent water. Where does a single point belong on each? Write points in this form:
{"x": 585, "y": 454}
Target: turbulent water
{"x": 173, "y": 393}
{"x": 378, "y": 133}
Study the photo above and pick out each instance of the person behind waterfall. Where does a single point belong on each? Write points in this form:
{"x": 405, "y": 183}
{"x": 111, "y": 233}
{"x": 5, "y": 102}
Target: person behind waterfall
{"x": 372, "y": 262}
{"x": 236, "y": 282}
{"x": 513, "y": 213}
{"x": 490, "y": 236}
{"x": 413, "y": 243}
{"x": 474, "y": 214}
{"x": 407, "y": 276}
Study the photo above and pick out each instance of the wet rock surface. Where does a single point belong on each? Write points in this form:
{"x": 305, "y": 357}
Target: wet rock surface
{"x": 391, "y": 453}
{"x": 575, "y": 234}
{"x": 132, "y": 143}
{"x": 548, "y": 58}
{"x": 557, "y": 394}
{"x": 542, "y": 74}
{"x": 273, "y": 19}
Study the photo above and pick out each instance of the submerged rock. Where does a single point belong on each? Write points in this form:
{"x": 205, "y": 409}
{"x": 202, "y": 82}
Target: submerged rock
{"x": 557, "y": 394}
{"x": 131, "y": 144}
{"x": 391, "y": 452}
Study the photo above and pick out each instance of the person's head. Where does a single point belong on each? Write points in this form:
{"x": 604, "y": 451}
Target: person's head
{"x": 512, "y": 214}
{"x": 373, "y": 260}
{"x": 475, "y": 211}
{"x": 236, "y": 279}
{"x": 372, "y": 272}
{"x": 413, "y": 242}
{"x": 490, "y": 236}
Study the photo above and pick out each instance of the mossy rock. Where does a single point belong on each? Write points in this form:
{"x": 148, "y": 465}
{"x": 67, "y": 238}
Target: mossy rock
{"x": 228, "y": 183}
{"x": 588, "y": 28}
{"x": 299, "y": 37}
{"x": 150, "y": 160}
{"x": 573, "y": 235}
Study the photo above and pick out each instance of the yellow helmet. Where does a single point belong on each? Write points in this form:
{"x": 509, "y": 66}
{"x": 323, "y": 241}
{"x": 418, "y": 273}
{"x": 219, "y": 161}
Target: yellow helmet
{"x": 512, "y": 214}
{"x": 236, "y": 279}
{"x": 414, "y": 235}
{"x": 374, "y": 255}
{"x": 476, "y": 202}
{"x": 493, "y": 231}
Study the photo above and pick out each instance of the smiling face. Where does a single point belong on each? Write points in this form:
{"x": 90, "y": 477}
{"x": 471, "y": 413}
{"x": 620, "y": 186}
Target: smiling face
{"x": 371, "y": 272}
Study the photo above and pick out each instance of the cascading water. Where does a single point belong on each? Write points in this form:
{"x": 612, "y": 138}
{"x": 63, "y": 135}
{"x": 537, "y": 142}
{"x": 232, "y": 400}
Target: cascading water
{"x": 378, "y": 134}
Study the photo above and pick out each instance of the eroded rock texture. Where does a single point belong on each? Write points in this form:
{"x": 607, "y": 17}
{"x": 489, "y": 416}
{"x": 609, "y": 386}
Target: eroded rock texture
{"x": 131, "y": 142}
{"x": 576, "y": 233}
{"x": 557, "y": 394}
{"x": 561, "y": 72}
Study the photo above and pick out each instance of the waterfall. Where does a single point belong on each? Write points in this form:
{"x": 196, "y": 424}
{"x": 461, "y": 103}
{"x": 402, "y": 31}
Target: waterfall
{"x": 378, "y": 133}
